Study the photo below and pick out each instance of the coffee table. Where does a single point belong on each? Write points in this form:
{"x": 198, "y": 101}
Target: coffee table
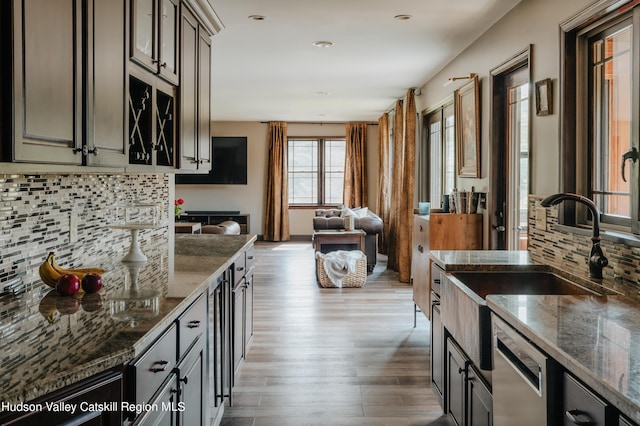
{"x": 328, "y": 240}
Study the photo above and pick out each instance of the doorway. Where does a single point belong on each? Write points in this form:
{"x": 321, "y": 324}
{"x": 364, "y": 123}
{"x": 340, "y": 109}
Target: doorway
{"x": 510, "y": 148}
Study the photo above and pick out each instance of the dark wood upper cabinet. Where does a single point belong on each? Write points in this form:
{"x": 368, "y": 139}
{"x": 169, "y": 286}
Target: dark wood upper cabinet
{"x": 154, "y": 36}
{"x": 67, "y": 83}
{"x": 195, "y": 94}
{"x": 47, "y": 75}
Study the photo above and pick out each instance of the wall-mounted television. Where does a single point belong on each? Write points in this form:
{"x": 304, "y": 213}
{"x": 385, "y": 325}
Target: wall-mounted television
{"x": 229, "y": 165}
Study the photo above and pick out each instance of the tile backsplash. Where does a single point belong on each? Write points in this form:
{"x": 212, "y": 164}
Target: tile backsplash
{"x": 570, "y": 251}
{"x": 37, "y": 212}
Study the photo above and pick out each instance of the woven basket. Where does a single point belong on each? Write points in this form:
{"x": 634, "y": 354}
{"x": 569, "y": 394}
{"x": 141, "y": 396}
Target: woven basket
{"x": 356, "y": 278}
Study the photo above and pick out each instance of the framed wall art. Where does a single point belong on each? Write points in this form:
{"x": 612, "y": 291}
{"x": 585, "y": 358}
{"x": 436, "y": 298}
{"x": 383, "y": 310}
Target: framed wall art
{"x": 544, "y": 97}
{"x": 468, "y": 129}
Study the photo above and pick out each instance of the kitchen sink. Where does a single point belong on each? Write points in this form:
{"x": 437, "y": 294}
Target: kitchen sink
{"x": 466, "y": 315}
{"x": 526, "y": 282}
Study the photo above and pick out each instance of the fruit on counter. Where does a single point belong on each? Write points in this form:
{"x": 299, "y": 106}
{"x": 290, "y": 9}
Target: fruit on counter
{"x": 91, "y": 282}
{"x": 50, "y": 271}
{"x": 68, "y": 285}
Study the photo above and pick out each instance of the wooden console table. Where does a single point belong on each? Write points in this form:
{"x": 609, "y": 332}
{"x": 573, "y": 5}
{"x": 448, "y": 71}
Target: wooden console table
{"x": 188, "y": 228}
{"x": 325, "y": 241}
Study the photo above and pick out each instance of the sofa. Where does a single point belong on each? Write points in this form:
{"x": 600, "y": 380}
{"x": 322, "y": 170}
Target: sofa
{"x": 228, "y": 227}
{"x": 364, "y": 219}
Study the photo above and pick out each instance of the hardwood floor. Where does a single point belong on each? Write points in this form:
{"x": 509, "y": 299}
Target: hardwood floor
{"x": 331, "y": 356}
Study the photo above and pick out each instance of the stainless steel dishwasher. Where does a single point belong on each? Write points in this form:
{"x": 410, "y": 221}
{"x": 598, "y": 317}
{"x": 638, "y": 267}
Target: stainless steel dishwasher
{"x": 521, "y": 375}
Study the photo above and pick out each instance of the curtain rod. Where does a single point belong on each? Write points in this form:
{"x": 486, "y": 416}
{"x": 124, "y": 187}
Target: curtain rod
{"x": 369, "y": 123}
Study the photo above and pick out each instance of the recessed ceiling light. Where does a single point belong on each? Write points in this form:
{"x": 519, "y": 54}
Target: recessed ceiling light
{"x": 257, "y": 17}
{"x": 402, "y": 17}
{"x": 322, "y": 43}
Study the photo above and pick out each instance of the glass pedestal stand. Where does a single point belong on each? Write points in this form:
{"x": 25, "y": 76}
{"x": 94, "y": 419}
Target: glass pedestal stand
{"x": 135, "y": 254}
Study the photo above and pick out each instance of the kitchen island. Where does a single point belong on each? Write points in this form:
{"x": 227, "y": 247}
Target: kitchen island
{"x": 592, "y": 338}
{"x": 50, "y": 341}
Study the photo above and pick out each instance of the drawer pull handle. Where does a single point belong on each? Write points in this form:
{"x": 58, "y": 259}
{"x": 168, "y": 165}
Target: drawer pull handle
{"x": 193, "y": 324}
{"x": 579, "y": 417}
{"x": 420, "y": 248}
{"x": 250, "y": 257}
{"x": 185, "y": 380}
{"x": 162, "y": 366}
{"x": 240, "y": 268}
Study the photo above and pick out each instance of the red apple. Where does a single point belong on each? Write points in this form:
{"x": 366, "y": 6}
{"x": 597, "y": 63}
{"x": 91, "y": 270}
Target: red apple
{"x": 68, "y": 285}
{"x": 92, "y": 282}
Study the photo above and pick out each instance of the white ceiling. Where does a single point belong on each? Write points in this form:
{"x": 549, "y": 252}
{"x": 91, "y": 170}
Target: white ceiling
{"x": 269, "y": 70}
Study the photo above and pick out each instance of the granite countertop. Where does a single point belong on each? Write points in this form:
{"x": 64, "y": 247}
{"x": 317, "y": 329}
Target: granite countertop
{"x": 596, "y": 338}
{"x": 591, "y": 336}
{"x": 50, "y": 341}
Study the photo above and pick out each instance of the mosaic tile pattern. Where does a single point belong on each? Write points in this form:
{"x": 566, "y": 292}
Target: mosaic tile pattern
{"x": 569, "y": 251}
{"x": 35, "y": 213}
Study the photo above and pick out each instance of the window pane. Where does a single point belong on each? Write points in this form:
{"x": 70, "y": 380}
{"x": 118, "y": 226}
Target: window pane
{"x": 612, "y": 90}
{"x": 334, "y": 157}
{"x": 435, "y": 143}
{"x": 450, "y": 154}
{"x": 303, "y": 171}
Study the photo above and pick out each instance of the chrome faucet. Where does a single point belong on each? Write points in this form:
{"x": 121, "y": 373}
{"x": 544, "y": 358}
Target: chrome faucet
{"x": 597, "y": 260}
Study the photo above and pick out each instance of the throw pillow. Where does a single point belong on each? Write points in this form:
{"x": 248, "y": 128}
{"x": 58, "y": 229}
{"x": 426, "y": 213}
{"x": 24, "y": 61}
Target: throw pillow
{"x": 347, "y": 212}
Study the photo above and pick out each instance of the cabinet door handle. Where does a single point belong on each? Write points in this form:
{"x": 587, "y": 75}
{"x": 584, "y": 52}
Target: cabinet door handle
{"x": 420, "y": 248}
{"x": 420, "y": 228}
{"x": 185, "y": 380}
{"x": 162, "y": 366}
{"x": 250, "y": 257}
{"x": 240, "y": 268}
{"x": 579, "y": 417}
{"x": 193, "y": 324}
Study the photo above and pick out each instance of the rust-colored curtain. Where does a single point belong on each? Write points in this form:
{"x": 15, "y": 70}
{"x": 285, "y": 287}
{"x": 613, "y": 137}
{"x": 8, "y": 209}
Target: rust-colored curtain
{"x": 384, "y": 200}
{"x": 276, "y": 218}
{"x": 405, "y": 231}
{"x": 354, "y": 193}
{"x": 396, "y": 186}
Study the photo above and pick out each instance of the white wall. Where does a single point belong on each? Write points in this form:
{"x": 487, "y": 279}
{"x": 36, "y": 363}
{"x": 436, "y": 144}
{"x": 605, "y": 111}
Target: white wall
{"x": 250, "y": 198}
{"x": 532, "y": 22}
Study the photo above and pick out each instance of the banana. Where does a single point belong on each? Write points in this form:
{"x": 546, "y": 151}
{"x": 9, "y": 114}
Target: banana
{"x": 50, "y": 271}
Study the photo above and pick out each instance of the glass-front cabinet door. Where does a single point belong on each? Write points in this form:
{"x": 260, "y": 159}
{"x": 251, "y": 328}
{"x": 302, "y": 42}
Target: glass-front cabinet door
{"x": 154, "y": 32}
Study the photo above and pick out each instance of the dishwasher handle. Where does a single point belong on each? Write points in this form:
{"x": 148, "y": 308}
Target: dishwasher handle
{"x": 525, "y": 359}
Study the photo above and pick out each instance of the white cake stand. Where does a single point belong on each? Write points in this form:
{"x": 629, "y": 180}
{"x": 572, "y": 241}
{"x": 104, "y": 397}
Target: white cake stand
{"x": 135, "y": 254}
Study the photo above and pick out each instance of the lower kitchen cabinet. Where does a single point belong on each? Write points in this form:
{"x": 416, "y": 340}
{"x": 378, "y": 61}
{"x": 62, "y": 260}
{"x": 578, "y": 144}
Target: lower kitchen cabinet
{"x": 456, "y": 364}
{"x": 437, "y": 350}
{"x": 581, "y": 406}
{"x": 100, "y": 396}
{"x": 165, "y": 401}
{"x": 469, "y": 401}
{"x": 193, "y": 386}
{"x": 479, "y": 400}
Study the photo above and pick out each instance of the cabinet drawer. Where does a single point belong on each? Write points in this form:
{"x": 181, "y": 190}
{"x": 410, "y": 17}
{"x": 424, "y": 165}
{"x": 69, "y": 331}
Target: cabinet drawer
{"x": 436, "y": 277}
{"x": 154, "y": 366}
{"x": 581, "y": 405}
{"x": 249, "y": 258}
{"x": 239, "y": 268}
{"x": 191, "y": 324}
